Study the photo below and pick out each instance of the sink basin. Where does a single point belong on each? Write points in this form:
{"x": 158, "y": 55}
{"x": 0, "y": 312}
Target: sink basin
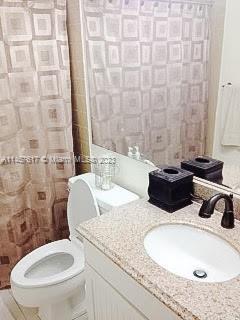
{"x": 192, "y": 253}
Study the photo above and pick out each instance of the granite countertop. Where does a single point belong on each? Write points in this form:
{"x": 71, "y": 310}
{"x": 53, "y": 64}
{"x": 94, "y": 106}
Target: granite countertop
{"x": 120, "y": 236}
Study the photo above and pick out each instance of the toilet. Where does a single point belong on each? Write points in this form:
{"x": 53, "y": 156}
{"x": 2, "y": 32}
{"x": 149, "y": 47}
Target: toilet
{"x": 51, "y": 277}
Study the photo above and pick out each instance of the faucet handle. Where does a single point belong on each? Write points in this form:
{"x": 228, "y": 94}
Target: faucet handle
{"x": 228, "y": 220}
{"x": 203, "y": 210}
{"x": 228, "y": 216}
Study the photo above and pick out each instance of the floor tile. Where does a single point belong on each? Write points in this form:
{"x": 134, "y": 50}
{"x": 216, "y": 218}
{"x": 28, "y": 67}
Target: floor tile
{"x": 29, "y": 313}
{"x": 9, "y": 308}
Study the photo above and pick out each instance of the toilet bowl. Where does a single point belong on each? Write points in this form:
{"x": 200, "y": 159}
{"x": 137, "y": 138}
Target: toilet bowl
{"x": 51, "y": 273}
{"x": 44, "y": 269}
{"x": 51, "y": 277}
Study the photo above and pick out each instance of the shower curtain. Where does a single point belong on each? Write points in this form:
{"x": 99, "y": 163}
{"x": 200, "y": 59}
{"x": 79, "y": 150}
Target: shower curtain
{"x": 35, "y": 127}
{"x": 148, "y": 76}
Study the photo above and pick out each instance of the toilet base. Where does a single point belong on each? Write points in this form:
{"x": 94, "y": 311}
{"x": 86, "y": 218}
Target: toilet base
{"x": 68, "y": 309}
{"x": 60, "y": 311}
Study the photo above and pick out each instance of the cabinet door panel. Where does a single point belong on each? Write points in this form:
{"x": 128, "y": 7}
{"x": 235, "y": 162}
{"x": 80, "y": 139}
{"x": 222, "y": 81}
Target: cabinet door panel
{"x": 105, "y": 303}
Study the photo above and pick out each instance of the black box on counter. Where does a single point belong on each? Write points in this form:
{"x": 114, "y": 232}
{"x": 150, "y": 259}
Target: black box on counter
{"x": 206, "y": 168}
{"x": 170, "y": 188}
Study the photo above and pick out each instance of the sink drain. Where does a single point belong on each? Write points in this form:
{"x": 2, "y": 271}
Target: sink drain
{"x": 200, "y": 274}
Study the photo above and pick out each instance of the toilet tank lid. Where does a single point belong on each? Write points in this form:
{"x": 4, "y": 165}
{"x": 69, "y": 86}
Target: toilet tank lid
{"x": 110, "y": 199}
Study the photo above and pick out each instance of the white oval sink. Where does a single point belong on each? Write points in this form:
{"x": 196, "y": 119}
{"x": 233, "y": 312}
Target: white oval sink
{"x": 192, "y": 253}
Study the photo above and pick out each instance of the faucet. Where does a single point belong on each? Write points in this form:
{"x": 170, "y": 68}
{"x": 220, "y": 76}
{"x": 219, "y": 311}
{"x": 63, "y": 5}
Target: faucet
{"x": 208, "y": 208}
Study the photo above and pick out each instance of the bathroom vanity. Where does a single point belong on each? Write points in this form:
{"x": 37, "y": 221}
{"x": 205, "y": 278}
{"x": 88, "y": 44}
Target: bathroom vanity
{"x": 113, "y": 294}
{"x": 123, "y": 282}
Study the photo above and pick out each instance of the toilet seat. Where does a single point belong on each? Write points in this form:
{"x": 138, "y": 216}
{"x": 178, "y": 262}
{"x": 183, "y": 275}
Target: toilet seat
{"x": 74, "y": 264}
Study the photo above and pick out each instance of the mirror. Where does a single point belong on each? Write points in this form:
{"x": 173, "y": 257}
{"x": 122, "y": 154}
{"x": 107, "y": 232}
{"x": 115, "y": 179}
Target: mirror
{"x": 159, "y": 74}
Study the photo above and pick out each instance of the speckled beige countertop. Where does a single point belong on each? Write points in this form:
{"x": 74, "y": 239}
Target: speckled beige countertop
{"x": 120, "y": 235}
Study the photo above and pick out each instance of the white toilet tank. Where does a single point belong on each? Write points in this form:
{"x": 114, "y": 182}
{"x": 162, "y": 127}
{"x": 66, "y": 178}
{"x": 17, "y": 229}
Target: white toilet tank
{"x": 86, "y": 201}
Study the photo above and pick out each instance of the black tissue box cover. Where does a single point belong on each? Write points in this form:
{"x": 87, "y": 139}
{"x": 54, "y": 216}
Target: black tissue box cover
{"x": 170, "y": 188}
{"x": 205, "y": 167}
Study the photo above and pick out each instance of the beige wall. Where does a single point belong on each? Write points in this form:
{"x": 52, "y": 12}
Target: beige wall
{"x": 230, "y": 72}
{"x": 79, "y": 108}
{"x": 216, "y": 45}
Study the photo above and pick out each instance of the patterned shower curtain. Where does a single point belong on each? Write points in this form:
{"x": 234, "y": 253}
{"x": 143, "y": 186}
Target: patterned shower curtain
{"x": 148, "y": 76}
{"x": 35, "y": 127}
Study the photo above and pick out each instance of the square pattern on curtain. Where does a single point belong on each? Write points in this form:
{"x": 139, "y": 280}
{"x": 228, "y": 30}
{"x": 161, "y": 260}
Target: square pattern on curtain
{"x": 35, "y": 125}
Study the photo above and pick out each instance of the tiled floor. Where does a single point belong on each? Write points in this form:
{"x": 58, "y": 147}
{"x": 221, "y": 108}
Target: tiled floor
{"x": 10, "y": 310}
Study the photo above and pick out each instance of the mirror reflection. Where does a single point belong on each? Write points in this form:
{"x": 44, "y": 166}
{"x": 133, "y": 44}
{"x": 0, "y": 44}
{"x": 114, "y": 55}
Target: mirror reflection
{"x": 162, "y": 83}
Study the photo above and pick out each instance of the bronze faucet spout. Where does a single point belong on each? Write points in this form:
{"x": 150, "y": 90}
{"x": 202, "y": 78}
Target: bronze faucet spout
{"x": 208, "y": 207}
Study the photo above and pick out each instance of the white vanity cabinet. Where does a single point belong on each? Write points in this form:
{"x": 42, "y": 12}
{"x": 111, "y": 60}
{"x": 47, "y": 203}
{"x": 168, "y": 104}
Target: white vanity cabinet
{"x": 106, "y": 302}
{"x": 113, "y": 295}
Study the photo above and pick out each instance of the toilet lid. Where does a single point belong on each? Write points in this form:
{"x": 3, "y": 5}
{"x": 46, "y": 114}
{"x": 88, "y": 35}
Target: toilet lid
{"x": 82, "y": 205}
